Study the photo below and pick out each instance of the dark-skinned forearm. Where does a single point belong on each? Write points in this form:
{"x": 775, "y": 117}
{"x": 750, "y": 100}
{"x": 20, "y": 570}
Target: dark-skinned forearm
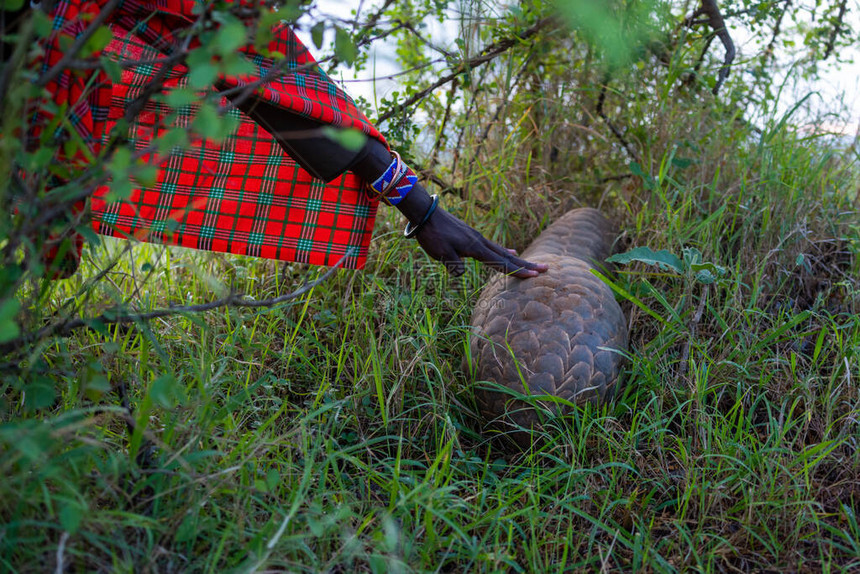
{"x": 377, "y": 160}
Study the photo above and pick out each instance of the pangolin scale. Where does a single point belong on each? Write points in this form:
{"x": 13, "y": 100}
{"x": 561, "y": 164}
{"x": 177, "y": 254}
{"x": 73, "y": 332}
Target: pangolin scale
{"x": 564, "y": 327}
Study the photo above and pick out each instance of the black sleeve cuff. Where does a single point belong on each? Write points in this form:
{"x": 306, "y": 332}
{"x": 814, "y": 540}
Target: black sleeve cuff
{"x": 302, "y": 139}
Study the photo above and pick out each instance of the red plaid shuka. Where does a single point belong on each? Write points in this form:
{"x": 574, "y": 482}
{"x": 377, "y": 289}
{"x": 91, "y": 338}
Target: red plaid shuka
{"x": 243, "y": 195}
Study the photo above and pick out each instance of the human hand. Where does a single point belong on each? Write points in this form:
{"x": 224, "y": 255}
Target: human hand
{"x": 448, "y": 239}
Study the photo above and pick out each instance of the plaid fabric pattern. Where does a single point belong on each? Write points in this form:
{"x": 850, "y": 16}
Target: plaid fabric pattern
{"x": 243, "y": 195}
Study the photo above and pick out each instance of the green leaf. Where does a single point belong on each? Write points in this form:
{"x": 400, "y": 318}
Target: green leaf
{"x": 146, "y": 175}
{"x": 112, "y": 68}
{"x": 705, "y": 277}
{"x": 8, "y": 326}
{"x": 206, "y": 121}
{"x": 237, "y": 65}
{"x": 291, "y": 10}
{"x": 120, "y": 189}
{"x": 209, "y": 124}
{"x": 351, "y": 140}
{"x": 187, "y": 528}
{"x": 317, "y": 34}
{"x": 599, "y": 26}
{"x": 120, "y": 162}
{"x": 378, "y": 564}
{"x": 9, "y": 274}
{"x": 181, "y": 97}
{"x": 647, "y": 180}
{"x": 230, "y": 37}
{"x": 709, "y": 267}
{"x": 619, "y": 30}
{"x": 202, "y": 76}
{"x": 172, "y": 139}
{"x": 120, "y": 170}
{"x": 42, "y": 23}
{"x": 692, "y": 255}
{"x": 71, "y": 516}
{"x": 90, "y": 236}
{"x": 39, "y": 394}
{"x": 682, "y": 162}
{"x": 273, "y": 478}
{"x": 166, "y": 391}
{"x": 98, "y": 41}
{"x": 662, "y": 259}
{"x": 344, "y": 47}
{"x": 11, "y": 5}
{"x": 706, "y": 272}
{"x": 265, "y": 24}
{"x": 96, "y": 387}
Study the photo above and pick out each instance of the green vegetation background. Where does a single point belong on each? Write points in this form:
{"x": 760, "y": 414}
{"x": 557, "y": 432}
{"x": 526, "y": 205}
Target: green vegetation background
{"x": 337, "y": 432}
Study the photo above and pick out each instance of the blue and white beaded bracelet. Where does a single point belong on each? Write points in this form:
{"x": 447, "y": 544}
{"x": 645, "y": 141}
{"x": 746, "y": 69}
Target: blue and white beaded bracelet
{"x": 395, "y": 182}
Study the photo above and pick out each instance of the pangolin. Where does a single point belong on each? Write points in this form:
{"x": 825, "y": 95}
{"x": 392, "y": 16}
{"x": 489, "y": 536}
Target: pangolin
{"x": 559, "y": 332}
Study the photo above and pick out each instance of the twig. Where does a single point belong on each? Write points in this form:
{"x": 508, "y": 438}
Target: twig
{"x": 714, "y": 19}
{"x": 618, "y": 177}
{"x": 491, "y": 52}
{"x": 834, "y": 32}
{"x": 466, "y": 122}
{"x": 15, "y": 59}
{"x": 755, "y": 8}
{"x": 489, "y": 126}
{"x": 426, "y": 42}
{"x": 136, "y": 106}
{"x": 446, "y": 187}
{"x": 615, "y": 131}
{"x": 777, "y": 28}
{"x": 693, "y": 327}
{"x": 61, "y": 551}
{"x": 434, "y": 155}
{"x": 236, "y": 300}
{"x": 72, "y": 52}
{"x": 374, "y": 19}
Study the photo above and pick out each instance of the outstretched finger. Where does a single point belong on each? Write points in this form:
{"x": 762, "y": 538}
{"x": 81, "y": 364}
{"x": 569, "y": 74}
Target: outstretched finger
{"x": 505, "y": 262}
{"x": 510, "y": 258}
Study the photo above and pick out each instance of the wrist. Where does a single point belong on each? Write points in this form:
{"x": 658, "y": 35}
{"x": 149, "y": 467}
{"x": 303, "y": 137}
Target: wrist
{"x": 378, "y": 159}
{"x": 415, "y": 205}
{"x": 412, "y": 228}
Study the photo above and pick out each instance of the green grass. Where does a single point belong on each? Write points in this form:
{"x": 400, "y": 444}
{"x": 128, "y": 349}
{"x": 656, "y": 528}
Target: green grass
{"x": 338, "y": 432}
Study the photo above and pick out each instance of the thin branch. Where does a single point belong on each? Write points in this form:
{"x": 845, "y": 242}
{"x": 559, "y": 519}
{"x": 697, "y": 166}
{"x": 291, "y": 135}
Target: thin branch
{"x": 374, "y": 18}
{"x": 70, "y": 54}
{"x": 692, "y": 21}
{"x": 445, "y": 186}
{"x": 489, "y": 125}
{"x": 615, "y": 131}
{"x": 425, "y": 41}
{"x": 715, "y": 20}
{"x": 619, "y": 177}
{"x": 467, "y": 123}
{"x": 15, "y": 59}
{"x": 777, "y": 29}
{"x": 434, "y": 155}
{"x": 136, "y": 106}
{"x": 61, "y": 552}
{"x": 235, "y": 300}
{"x": 837, "y": 27}
{"x": 491, "y": 52}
